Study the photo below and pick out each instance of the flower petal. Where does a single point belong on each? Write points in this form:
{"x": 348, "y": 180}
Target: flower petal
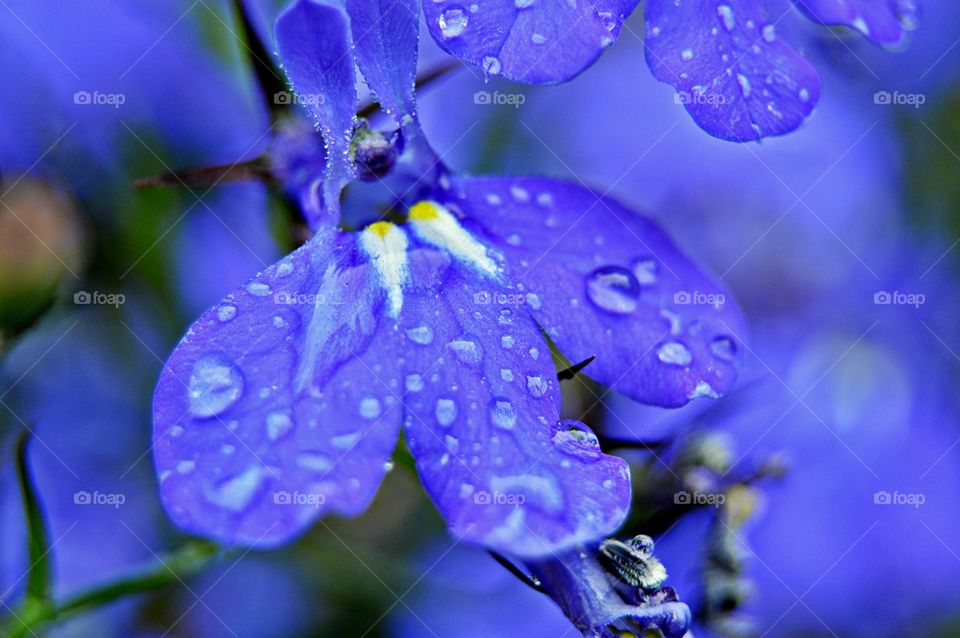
{"x": 271, "y": 412}
{"x": 882, "y": 21}
{"x": 385, "y": 36}
{"x": 528, "y": 41}
{"x": 482, "y": 421}
{"x": 314, "y": 43}
{"x": 603, "y": 280}
{"x": 732, "y": 73}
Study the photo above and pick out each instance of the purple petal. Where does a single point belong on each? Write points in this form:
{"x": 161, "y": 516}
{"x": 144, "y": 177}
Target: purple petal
{"x": 732, "y": 73}
{"x": 602, "y": 280}
{"x": 314, "y": 45}
{"x": 385, "y": 35}
{"x": 482, "y": 421}
{"x": 882, "y": 21}
{"x": 271, "y": 412}
{"x": 528, "y": 40}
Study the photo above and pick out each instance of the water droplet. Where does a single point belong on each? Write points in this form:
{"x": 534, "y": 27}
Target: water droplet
{"x": 703, "y": 390}
{"x": 278, "y": 424}
{"x": 258, "y": 289}
{"x": 576, "y": 439}
{"x": 226, "y": 313}
{"x": 284, "y": 268}
{"x": 686, "y": 54}
{"x": 727, "y": 16}
{"x": 520, "y": 194}
{"x": 490, "y": 65}
{"x": 607, "y": 19}
{"x": 453, "y": 21}
{"x": 506, "y": 374}
{"x": 674, "y": 353}
{"x": 185, "y": 467}
{"x": 744, "y": 82}
{"x": 507, "y": 341}
{"x": 769, "y": 33}
{"x": 613, "y": 289}
{"x": 537, "y": 386}
{"x": 538, "y": 38}
{"x": 523, "y": 4}
{"x": 445, "y": 411}
{"x": 534, "y": 353}
{"x": 345, "y": 441}
{"x": 414, "y": 383}
{"x": 215, "y": 384}
{"x": 533, "y": 300}
{"x": 369, "y": 408}
{"x": 723, "y": 348}
{"x": 421, "y": 334}
{"x": 502, "y": 414}
{"x": 467, "y": 351}
{"x": 237, "y": 492}
{"x": 505, "y": 317}
{"x": 314, "y": 462}
{"x": 646, "y": 270}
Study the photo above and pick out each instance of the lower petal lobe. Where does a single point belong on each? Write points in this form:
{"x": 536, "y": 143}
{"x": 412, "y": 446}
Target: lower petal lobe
{"x": 733, "y": 74}
{"x": 603, "y": 280}
{"x": 271, "y": 410}
{"x": 482, "y": 420}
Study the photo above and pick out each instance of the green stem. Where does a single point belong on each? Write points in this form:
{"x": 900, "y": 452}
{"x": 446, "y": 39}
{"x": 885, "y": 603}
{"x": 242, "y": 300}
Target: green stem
{"x": 183, "y": 563}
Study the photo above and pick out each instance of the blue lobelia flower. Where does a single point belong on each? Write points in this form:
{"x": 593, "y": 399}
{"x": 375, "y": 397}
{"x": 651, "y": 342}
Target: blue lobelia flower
{"x": 284, "y": 402}
{"x": 732, "y": 72}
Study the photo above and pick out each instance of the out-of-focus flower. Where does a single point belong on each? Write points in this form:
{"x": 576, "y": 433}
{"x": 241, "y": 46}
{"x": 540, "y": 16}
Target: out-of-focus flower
{"x": 734, "y": 75}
